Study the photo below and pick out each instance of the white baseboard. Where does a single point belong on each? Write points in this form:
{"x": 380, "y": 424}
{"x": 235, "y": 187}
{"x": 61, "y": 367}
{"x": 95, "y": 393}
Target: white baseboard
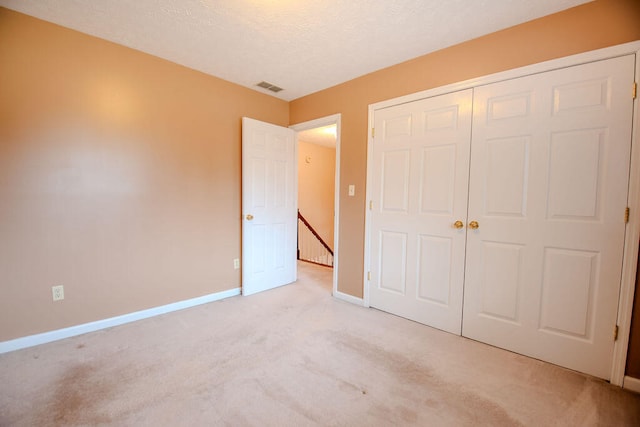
{"x": 631, "y": 384}
{"x": 348, "y": 298}
{"x": 45, "y": 337}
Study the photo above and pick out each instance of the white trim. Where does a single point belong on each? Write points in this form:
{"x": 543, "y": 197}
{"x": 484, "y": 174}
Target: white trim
{"x": 312, "y": 124}
{"x": 348, "y": 298}
{"x": 336, "y": 205}
{"x": 630, "y": 255}
{"x": 59, "y": 334}
{"x": 632, "y": 237}
{"x": 367, "y": 211}
{"x": 632, "y": 384}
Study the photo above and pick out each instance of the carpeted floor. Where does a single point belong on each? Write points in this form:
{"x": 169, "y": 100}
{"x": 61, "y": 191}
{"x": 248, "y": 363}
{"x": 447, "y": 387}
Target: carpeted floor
{"x": 294, "y": 356}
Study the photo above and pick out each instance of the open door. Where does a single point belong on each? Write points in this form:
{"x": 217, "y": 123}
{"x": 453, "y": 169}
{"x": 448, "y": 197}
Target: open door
{"x": 269, "y": 212}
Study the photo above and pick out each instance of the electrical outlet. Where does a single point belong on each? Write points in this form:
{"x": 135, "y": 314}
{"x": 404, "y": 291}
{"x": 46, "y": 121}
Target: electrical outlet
{"x": 58, "y": 292}
{"x": 236, "y": 263}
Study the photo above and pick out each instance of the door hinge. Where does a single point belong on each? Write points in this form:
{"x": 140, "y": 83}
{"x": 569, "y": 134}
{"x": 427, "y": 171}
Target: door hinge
{"x": 370, "y": 205}
{"x": 373, "y": 132}
{"x": 368, "y": 275}
{"x": 634, "y": 91}
{"x": 627, "y": 212}
{"x": 615, "y": 333}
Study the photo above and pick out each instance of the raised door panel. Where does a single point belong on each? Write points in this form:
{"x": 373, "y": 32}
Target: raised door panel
{"x": 501, "y": 281}
{"x": 394, "y": 189}
{"x": 569, "y": 279}
{"x": 437, "y": 180}
{"x": 393, "y": 262}
{"x": 434, "y": 269}
{"x": 506, "y": 178}
{"x": 575, "y": 174}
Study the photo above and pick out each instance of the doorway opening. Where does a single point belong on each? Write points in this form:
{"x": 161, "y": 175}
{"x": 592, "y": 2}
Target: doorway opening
{"x": 318, "y": 157}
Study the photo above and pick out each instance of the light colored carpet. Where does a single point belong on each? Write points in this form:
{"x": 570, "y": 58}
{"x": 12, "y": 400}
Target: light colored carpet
{"x": 294, "y": 356}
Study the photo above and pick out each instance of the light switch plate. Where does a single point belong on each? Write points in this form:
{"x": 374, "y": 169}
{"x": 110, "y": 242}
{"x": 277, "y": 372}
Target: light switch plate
{"x": 352, "y": 190}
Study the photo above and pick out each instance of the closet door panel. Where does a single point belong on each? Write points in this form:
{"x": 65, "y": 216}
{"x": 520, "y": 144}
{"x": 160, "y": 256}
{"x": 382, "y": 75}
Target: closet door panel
{"x": 419, "y": 188}
{"x": 548, "y": 187}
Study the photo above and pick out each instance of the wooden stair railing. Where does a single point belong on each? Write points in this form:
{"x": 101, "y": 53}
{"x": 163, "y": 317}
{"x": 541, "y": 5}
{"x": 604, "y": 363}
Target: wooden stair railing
{"x": 316, "y": 251}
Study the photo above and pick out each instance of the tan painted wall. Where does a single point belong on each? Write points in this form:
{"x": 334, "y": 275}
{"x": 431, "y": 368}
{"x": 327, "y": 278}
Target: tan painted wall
{"x": 591, "y": 26}
{"x": 316, "y": 182}
{"x": 119, "y": 177}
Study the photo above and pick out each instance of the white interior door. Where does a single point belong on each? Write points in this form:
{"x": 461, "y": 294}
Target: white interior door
{"x": 419, "y": 190}
{"x": 268, "y": 206}
{"x": 548, "y": 187}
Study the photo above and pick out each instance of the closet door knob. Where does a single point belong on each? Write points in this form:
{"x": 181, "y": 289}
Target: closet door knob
{"x": 458, "y": 225}
{"x": 474, "y": 225}
{"x": 249, "y": 217}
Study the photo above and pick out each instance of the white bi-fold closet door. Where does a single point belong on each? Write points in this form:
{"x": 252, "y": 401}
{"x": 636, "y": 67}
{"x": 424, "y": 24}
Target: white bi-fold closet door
{"x": 420, "y": 183}
{"x": 508, "y": 199}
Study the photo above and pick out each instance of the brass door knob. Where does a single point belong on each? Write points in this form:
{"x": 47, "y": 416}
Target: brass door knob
{"x": 458, "y": 224}
{"x": 249, "y": 217}
{"x": 474, "y": 225}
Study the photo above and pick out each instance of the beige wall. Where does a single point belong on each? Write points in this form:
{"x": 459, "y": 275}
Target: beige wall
{"x": 591, "y": 26}
{"x": 316, "y": 184}
{"x": 119, "y": 177}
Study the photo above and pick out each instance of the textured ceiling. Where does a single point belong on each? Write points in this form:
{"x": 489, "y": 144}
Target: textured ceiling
{"x": 302, "y": 46}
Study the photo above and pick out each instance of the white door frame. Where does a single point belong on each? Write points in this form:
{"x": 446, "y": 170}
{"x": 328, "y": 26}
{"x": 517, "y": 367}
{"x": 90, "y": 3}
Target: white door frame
{"x": 312, "y": 124}
{"x": 632, "y": 234}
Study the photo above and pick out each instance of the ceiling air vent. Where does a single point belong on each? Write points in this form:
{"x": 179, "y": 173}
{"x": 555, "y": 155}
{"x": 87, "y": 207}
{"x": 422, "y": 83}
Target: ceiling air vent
{"x": 267, "y": 85}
